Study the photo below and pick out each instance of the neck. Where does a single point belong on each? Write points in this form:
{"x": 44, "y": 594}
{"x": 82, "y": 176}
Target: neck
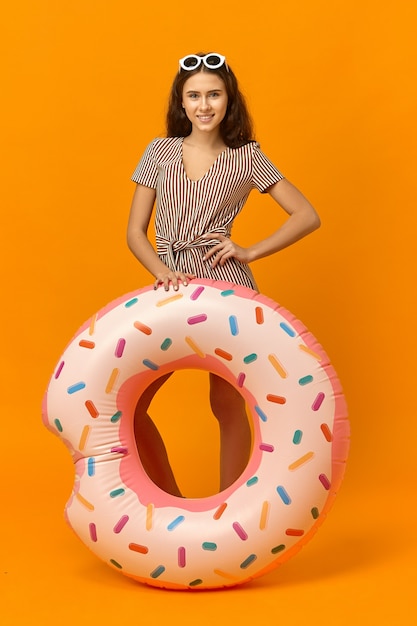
{"x": 205, "y": 140}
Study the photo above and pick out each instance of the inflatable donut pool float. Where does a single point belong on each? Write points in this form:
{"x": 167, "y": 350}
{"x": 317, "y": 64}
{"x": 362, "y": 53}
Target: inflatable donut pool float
{"x": 299, "y": 423}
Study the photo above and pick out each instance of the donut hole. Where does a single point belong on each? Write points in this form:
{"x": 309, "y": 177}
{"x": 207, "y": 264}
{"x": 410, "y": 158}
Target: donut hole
{"x": 182, "y": 415}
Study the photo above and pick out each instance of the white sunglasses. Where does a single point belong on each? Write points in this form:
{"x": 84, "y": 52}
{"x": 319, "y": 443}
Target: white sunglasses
{"x": 212, "y": 61}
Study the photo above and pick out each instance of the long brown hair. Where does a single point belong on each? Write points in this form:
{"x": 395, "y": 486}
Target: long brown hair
{"x": 236, "y": 127}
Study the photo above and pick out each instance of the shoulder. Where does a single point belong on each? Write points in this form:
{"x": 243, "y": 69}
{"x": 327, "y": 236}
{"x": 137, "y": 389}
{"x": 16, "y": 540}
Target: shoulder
{"x": 248, "y": 149}
{"x": 165, "y": 148}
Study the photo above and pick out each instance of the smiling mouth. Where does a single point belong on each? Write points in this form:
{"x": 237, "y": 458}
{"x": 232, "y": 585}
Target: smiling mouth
{"x": 205, "y": 118}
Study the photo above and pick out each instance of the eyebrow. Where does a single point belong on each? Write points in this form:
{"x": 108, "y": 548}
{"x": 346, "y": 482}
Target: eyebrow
{"x": 210, "y": 91}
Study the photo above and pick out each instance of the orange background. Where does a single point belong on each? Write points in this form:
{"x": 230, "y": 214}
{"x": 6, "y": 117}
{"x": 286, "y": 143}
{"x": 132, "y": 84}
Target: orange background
{"x": 332, "y": 88}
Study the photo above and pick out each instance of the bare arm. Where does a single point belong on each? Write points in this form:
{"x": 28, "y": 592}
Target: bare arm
{"x": 302, "y": 220}
{"x": 139, "y": 244}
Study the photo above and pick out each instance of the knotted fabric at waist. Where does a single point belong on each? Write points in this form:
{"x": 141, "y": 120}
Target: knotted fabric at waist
{"x": 170, "y": 249}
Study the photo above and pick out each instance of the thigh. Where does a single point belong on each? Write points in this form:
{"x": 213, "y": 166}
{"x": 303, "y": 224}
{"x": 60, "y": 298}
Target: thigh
{"x": 224, "y": 395}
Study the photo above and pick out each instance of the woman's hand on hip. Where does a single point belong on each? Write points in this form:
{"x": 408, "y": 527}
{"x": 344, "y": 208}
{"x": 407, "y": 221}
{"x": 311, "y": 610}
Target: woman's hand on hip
{"x": 224, "y": 250}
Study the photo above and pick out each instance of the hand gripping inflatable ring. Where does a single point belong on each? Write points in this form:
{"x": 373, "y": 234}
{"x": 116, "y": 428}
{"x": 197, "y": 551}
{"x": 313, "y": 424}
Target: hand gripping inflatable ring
{"x": 300, "y": 434}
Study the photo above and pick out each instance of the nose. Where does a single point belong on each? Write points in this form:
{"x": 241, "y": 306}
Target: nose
{"x": 204, "y": 103}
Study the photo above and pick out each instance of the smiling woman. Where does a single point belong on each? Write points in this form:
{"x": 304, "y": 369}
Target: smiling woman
{"x": 200, "y": 177}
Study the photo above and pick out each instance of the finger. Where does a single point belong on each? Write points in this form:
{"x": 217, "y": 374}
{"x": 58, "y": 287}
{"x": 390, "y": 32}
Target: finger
{"x": 217, "y": 259}
{"x": 174, "y": 281}
{"x": 185, "y": 278}
{"x": 167, "y": 279}
{"x": 214, "y": 250}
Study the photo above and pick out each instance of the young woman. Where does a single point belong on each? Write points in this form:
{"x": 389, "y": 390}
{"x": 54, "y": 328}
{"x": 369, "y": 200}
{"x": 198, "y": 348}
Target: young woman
{"x": 200, "y": 177}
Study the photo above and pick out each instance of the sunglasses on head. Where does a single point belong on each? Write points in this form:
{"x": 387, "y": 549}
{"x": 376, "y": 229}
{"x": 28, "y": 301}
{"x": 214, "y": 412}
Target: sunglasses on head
{"x": 212, "y": 61}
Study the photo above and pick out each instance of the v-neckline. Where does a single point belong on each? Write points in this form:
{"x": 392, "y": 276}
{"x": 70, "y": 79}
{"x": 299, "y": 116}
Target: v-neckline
{"x": 207, "y": 172}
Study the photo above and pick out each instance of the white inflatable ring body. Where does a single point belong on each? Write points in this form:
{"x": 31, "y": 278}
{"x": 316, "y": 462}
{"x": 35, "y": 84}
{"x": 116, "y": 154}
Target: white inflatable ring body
{"x": 300, "y": 434}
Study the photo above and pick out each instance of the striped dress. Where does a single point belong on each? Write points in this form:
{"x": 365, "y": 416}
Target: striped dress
{"x": 187, "y": 209}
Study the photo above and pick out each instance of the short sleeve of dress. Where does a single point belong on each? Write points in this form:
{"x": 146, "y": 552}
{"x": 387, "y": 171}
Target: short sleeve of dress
{"x": 264, "y": 172}
{"x": 146, "y": 172}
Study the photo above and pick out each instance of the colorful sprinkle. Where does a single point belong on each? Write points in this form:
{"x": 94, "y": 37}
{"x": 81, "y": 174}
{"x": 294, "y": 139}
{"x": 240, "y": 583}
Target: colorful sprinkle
{"x": 294, "y": 532}
{"x": 178, "y": 296}
{"x": 119, "y": 450}
{"x": 121, "y": 524}
{"x": 305, "y": 380}
{"x": 115, "y": 418}
{"x": 227, "y": 292}
{"x": 217, "y": 515}
{"x": 326, "y": 432}
{"x": 287, "y": 329}
{"x": 196, "y": 293}
{"x": 195, "y": 347}
{"x": 59, "y": 370}
{"x": 137, "y": 547}
{"x": 315, "y": 512}
{"x": 176, "y": 522}
{"x": 84, "y": 343}
{"x": 209, "y": 545}
{"x": 266, "y": 447}
{"x": 318, "y": 401}
{"x": 150, "y": 364}
{"x": 325, "y": 481}
{"x": 252, "y": 481}
{"x": 250, "y": 358}
{"x": 223, "y": 354}
{"x": 223, "y": 574}
{"x": 149, "y": 516}
{"x": 120, "y": 348}
{"x": 58, "y": 425}
{"x": 166, "y": 344}
{"x": 277, "y": 399}
{"x": 263, "y": 522}
{"x": 234, "y": 328}
{"x": 112, "y": 380}
{"x": 117, "y": 492}
{"x": 116, "y": 564}
{"x": 299, "y": 462}
{"x": 251, "y": 558}
{"x": 146, "y": 330}
{"x": 261, "y": 414}
{"x": 85, "y": 502}
{"x": 181, "y": 557}
{"x": 277, "y": 365}
{"x": 84, "y": 436}
{"x": 279, "y": 548}
{"x": 197, "y": 319}
{"x": 298, "y": 435}
{"x": 92, "y": 328}
{"x": 157, "y": 571}
{"x": 240, "y": 531}
{"x": 283, "y": 495}
{"x": 91, "y": 408}
{"x": 310, "y": 351}
{"x": 76, "y": 387}
{"x": 91, "y": 466}
{"x": 131, "y": 302}
{"x": 259, "y": 315}
{"x": 241, "y": 379}
{"x": 93, "y": 531}
{"x": 196, "y": 582}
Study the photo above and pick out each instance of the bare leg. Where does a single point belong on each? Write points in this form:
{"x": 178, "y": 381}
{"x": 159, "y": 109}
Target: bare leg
{"x": 228, "y": 407}
{"x": 151, "y": 447}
